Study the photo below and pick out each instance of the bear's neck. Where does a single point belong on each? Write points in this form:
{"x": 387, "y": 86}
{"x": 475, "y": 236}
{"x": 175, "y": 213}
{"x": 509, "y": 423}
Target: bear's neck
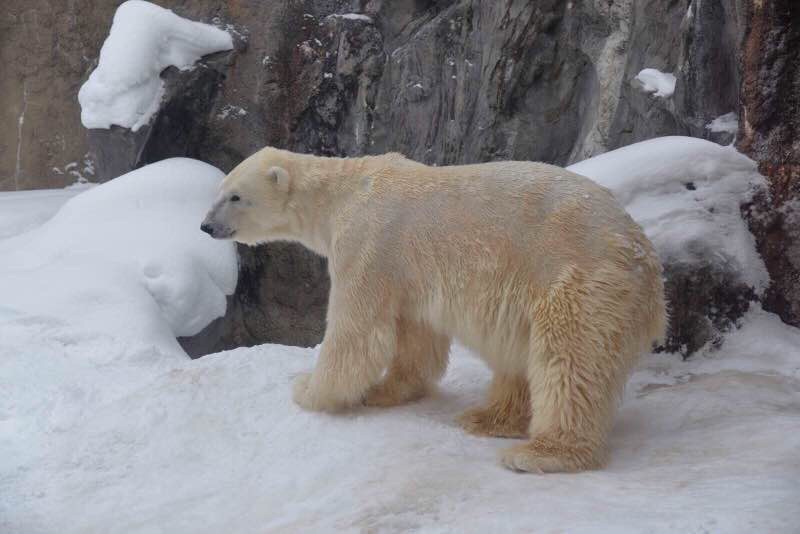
{"x": 328, "y": 186}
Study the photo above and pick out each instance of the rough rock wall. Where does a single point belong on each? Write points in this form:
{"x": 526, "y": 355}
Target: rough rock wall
{"x": 443, "y": 82}
{"x": 770, "y": 134}
{"x": 447, "y": 81}
{"x": 47, "y": 49}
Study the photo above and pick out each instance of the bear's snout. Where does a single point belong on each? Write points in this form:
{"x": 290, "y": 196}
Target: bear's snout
{"x": 216, "y": 229}
{"x": 207, "y": 228}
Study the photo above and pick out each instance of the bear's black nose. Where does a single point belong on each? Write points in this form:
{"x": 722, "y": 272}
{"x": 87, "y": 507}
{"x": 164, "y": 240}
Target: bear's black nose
{"x": 207, "y": 229}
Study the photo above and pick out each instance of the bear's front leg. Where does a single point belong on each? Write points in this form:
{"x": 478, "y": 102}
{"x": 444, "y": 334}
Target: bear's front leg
{"x": 350, "y": 362}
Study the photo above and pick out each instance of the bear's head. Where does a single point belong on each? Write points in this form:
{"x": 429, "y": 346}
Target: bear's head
{"x": 252, "y": 204}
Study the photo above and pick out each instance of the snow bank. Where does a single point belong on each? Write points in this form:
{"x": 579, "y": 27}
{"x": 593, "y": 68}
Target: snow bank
{"x": 686, "y": 193}
{"x": 125, "y": 89}
{"x": 662, "y": 84}
{"x": 126, "y": 258}
{"x": 216, "y": 445}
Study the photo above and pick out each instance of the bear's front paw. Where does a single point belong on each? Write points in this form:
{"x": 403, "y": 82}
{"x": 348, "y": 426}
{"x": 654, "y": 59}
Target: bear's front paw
{"x": 301, "y": 391}
{"x": 308, "y": 394}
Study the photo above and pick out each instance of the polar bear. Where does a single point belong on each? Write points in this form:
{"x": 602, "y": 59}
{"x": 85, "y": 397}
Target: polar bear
{"x": 535, "y": 268}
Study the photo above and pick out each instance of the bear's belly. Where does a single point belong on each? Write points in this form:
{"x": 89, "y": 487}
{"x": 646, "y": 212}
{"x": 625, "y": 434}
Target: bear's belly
{"x": 500, "y": 335}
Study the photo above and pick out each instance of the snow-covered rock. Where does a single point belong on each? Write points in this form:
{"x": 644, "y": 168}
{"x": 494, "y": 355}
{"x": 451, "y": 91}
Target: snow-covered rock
{"x": 687, "y": 194}
{"x": 125, "y": 89}
{"x": 126, "y": 258}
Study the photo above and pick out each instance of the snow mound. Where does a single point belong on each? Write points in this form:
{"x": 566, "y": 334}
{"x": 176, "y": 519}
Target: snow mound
{"x": 686, "y": 194}
{"x": 661, "y": 84}
{"x": 125, "y": 89}
{"x": 127, "y": 258}
{"x": 216, "y": 445}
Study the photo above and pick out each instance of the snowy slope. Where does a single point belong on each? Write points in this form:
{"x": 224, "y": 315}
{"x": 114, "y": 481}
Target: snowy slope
{"x": 125, "y": 89}
{"x": 105, "y": 431}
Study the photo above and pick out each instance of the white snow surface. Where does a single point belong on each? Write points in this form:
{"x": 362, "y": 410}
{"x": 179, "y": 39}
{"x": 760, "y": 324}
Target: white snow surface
{"x": 139, "y": 444}
{"x": 661, "y": 84}
{"x": 126, "y": 89}
{"x": 686, "y": 193}
{"x": 105, "y": 426}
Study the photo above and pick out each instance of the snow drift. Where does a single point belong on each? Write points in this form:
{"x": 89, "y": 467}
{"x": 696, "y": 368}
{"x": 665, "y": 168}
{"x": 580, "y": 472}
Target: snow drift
{"x": 125, "y": 89}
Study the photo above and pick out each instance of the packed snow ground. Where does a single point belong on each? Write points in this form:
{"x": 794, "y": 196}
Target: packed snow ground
{"x": 104, "y": 431}
{"x": 216, "y": 445}
{"x": 126, "y": 88}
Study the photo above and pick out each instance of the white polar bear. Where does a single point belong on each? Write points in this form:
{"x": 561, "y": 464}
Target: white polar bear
{"x": 535, "y": 268}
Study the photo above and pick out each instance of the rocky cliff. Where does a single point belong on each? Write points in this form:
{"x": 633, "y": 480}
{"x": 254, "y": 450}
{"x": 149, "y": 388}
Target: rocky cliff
{"x": 449, "y": 81}
{"x": 770, "y": 134}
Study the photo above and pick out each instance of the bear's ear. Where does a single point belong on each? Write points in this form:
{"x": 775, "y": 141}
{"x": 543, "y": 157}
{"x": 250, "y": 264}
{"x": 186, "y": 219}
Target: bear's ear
{"x": 279, "y": 177}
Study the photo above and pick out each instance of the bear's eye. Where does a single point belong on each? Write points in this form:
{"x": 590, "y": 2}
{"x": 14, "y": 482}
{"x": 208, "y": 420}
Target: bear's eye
{"x": 235, "y": 198}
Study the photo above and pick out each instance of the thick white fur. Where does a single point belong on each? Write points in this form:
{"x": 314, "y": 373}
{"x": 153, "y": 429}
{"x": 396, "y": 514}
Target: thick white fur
{"x": 535, "y": 268}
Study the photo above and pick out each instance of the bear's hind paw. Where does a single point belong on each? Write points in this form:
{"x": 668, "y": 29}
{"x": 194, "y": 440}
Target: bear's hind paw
{"x": 487, "y": 422}
{"x": 545, "y": 456}
{"x": 387, "y": 394}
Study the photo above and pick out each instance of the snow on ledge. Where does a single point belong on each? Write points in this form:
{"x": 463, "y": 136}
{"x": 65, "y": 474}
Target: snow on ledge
{"x": 662, "y": 84}
{"x": 351, "y": 16}
{"x": 728, "y": 123}
{"x": 125, "y": 89}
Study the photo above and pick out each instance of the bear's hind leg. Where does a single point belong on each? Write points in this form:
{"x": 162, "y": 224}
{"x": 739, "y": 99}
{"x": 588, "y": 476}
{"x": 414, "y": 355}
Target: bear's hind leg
{"x": 508, "y": 412}
{"x": 578, "y": 362}
{"x": 419, "y": 362}
{"x": 572, "y": 405}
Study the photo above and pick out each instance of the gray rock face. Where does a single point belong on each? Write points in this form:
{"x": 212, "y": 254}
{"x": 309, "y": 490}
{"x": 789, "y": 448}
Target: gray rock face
{"x": 444, "y": 82}
{"x": 281, "y": 297}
